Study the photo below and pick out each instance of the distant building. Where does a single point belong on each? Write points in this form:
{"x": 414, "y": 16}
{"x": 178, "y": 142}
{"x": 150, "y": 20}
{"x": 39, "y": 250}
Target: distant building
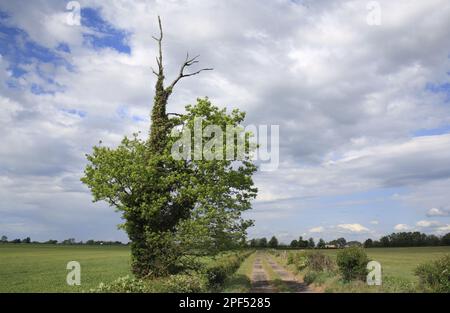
{"x": 330, "y": 246}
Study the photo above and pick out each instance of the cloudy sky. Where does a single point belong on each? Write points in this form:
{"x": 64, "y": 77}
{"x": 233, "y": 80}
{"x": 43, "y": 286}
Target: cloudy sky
{"x": 362, "y": 100}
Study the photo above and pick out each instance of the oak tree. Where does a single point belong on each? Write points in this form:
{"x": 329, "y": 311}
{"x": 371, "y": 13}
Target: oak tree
{"x": 174, "y": 208}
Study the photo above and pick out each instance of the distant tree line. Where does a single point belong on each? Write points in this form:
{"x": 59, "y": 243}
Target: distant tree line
{"x": 403, "y": 239}
{"x": 408, "y": 239}
{"x": 274, "y": 243}
{"x": 69, "y": 241}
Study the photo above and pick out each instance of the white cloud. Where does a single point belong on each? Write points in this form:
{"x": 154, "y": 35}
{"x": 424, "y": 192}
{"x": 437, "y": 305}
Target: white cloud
{"x": 405, "y": 164}
{"x": 356, "y": 228}
{"x": 438, "y": 212}
{"x": 374, "y": 222}
{"x": 318, "y": 229}
{"x": 443, "y": 229}
{"x": 433, "y": 226}
{"x": 425, "y": 223}
{"x": 401, "y": 227}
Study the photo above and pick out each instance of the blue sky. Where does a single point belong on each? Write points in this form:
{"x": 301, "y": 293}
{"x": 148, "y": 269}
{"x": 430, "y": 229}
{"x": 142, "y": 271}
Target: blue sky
{"x": 108, "y": 37}
{"x": 363, "y": 110}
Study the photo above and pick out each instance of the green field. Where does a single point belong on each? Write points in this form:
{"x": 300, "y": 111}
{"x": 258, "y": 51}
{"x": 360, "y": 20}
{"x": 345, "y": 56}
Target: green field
{"x": 42, "y": 268}
{"x": 401, "y": 262}
{"x": 398, "y": 267}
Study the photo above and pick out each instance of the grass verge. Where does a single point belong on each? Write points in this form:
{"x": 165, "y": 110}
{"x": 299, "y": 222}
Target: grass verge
{"x": 240, "y": 281}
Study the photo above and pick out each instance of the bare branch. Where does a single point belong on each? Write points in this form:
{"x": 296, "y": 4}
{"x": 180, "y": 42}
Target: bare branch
{"x": 195, "y": 73}
{"x": 188, "y": 62}
{"x": 159, "y": 40}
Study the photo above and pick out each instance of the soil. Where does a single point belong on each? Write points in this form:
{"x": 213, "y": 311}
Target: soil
{"x": 260, "y": 278}
{"x": 261, "y": 282}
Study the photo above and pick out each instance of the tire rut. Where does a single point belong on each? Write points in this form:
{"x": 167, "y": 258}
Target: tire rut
{"x": 260, "y": 278}
{"x": 288, "y": 277}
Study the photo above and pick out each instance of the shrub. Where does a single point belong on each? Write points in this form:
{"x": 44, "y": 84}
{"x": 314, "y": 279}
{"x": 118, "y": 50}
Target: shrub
{"x": 274, "y": 252}
{"x": 352, "y": 263}
{"x": 222, "y": 267}
{"x": 183, "y": 283}
{"x": 398, "y": 284}
{"x": 192, "y": 282}
{"x": 218, "y": 271}
{"x": 202, "y": 279}
{"x": 435, "y": 276}
{"x": 317, "y": 278}
{"x": 310, "y": 277}
{"x": 290, "y": 258}
{"x": 126, "y": 284}
{"x": 298, "y": 259}
{"x": 318, "y": 261}
{"x": 301, "y": 262}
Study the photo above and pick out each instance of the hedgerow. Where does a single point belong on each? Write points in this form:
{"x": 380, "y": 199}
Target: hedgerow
{"x": 217, "y": 271}
{"x": 210, "y": 277}
{"x": 314, "y": 260}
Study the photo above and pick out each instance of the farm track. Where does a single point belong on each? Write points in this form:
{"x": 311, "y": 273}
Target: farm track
{"x": 260, "y": 278}
{"x": 288, "y": 277}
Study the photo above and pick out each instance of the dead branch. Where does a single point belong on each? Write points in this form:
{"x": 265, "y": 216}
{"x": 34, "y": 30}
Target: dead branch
{"x": 159, "y": 40}
{"x": 188, "y": 62}
{"x": 159, "y": 60}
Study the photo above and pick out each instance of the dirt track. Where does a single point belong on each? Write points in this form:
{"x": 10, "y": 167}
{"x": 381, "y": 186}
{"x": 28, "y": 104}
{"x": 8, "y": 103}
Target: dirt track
{"x": 260, "y": 278}
{"x": 261, "y": 281}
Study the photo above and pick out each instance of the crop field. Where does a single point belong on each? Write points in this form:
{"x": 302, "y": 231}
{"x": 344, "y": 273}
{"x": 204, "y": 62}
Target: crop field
{"x": 398, "y": 267}
{"x": 42, "y": 268}
{"x": 401, "y": 262}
